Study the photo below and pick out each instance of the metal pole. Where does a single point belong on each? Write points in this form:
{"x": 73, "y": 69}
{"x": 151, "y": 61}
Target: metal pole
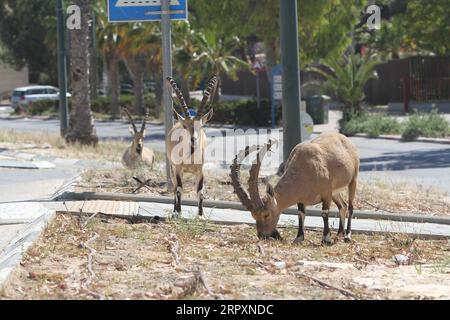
{"x": 167, "y": 72}
{"x": 291, "y": 76}
{"x": 62, "y": 69}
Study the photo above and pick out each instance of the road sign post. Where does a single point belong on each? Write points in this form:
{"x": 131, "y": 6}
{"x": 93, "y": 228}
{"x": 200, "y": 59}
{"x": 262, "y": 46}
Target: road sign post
{"x": 154, "y": 10}
{"x": 167, "y": 72}
{"x": 276, "y": 90}
{"x": 292, "y": 133}
{"x": 62, "y": 69}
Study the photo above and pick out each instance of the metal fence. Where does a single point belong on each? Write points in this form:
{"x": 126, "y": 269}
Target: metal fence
{"x": 425, "y": 79}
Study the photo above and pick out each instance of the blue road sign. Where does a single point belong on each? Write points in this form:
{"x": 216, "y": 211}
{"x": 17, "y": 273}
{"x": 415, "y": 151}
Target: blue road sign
{"x": 276, "y": 89}
{"x": 144, "y": 10}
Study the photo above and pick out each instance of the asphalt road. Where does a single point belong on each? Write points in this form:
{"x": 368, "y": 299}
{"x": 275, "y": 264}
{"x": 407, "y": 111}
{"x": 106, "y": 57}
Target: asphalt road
{"x": 425, "y": 164}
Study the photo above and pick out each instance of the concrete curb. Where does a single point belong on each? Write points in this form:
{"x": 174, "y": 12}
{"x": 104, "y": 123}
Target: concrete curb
{"x": 237, "y": 206}
{"x": 399, "y": 138}
{"x": 11, "y": 256}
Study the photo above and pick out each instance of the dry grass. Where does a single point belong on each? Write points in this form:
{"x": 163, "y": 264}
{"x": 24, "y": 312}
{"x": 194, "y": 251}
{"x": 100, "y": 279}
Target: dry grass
{"x": 136, "y": 262}
{"x": 54, "y": 145}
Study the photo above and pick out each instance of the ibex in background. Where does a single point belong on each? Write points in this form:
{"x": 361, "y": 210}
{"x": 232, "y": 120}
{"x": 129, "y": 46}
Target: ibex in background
{"x": 137, "y": 154}
{"x": 186, "y": 144}
{"x": 315, "y": 172}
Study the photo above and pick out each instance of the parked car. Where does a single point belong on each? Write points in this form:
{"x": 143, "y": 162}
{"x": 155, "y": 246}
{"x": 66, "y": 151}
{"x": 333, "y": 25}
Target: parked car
{"x": 25, "y": 95}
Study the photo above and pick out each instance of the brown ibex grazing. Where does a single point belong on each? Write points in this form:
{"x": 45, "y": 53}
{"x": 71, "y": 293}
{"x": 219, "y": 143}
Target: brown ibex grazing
{"x": 315, "y": 172}
{"x": 186, "y": 144}
{"x": 137, "y": 154}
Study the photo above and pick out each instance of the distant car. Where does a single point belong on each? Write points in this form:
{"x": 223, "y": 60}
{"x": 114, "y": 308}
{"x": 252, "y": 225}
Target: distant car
{"x": 25, "y": 95}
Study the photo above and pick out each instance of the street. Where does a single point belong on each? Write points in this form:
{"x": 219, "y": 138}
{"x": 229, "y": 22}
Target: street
{"x": 417, "y": 163}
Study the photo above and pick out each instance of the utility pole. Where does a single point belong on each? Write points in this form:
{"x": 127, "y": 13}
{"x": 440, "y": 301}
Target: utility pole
{"x": 167, "y": 72}
{"x": 292, "y": 133}
{"x": 62, "y": 68}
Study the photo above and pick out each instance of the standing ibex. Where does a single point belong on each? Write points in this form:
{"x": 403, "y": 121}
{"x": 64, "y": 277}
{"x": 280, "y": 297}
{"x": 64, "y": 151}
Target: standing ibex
{"x": 137, "y": 154}
{"x": 315, "y": 172}
{"x": 186, "y": 144}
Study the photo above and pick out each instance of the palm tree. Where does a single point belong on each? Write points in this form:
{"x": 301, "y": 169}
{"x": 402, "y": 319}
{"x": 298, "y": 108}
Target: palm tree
{"x": 139, "y": 42}
{"x": 109, "y": 38}
{"x": 80, "y": 126}
{"x": 216, "y": 55}
{"x": 347, "y": 79}
{"x": 185, "y": 52}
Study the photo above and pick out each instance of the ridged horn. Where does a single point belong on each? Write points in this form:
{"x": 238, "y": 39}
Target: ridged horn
{"x": 253, "y": 188}
{"x": 179, "y": 95}
{"x": 144, "y": 123}
{"x": 131, "y": 119}
{"x": 209, "y": 93}
{"x": 236, "y": 176}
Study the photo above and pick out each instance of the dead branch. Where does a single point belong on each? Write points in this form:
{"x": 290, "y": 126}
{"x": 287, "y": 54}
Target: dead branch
{"x": 92, "y": 251}
{"x": 174, "y": 246}
{"x": 261, "y": 249}
{"x": 377, "y": 207}
{"x": 327, "y": 285}
{"x": 188, "y": 285}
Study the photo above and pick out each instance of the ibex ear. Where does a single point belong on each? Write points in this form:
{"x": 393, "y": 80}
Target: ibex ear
{"x": 176, "y": 115}
{"x": 207, "y": 117}
{"x": 131, "y": 130}
{"x": 269, "y": 190}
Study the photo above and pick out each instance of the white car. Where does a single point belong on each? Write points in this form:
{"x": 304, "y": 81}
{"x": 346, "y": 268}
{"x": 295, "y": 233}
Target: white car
{"x": 25, "y": 95}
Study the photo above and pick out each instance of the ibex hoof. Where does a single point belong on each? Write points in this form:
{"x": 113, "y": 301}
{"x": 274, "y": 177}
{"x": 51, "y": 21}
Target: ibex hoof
{"x": 175, "y": 215}
{"x": 348, "y": 238}
{"x": 201, "y": 217}
{"x": 299, "y": 239}
{"x": 326, "y": 240}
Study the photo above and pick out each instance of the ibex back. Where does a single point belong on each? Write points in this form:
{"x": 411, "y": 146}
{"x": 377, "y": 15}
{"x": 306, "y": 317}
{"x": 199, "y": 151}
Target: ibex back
{"x": 315, "y": 172}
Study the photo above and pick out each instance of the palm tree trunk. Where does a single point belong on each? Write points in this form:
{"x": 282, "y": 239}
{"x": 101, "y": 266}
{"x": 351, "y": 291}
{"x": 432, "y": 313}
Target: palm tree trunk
{"x": 135, "y": 68}
{"x": 80, "y": 126}
{"x": 114, "y": 84}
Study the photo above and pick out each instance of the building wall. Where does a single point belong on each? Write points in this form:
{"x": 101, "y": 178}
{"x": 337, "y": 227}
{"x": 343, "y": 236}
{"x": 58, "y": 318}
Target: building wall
{"x": 11, "y": 78}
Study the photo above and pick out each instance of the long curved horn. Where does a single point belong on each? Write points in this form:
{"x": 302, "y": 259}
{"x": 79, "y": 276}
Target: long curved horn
{"x": 209, "y": 93}
{"x": 253, "y": 188}
{"x": 145, "y": 121}
{"x": 131, "y": 119}
{"x": 254, "y": 202}
{"x": 179, "y": 95}
{"x": 236, "y": 176}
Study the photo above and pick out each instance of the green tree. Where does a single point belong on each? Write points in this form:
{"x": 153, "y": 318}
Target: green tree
{"x": 347, "y": 79}
{"x": 109, "y": 39}
{"x": 81, "y": 129}
{"x": 324, "y": 25}
{"x": 23, "y": 29}
{"x": 139, "y": 43}
{"x": 216, "y": 55}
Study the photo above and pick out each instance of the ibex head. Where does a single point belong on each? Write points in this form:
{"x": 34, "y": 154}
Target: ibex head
{"x": 264, "y": 211}
{"x": 138, "y": 136}
{"x": 193, "y": 124}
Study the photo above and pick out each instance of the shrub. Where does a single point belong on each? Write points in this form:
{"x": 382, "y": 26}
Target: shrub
{"x": 374, "y": 125}
{"x": 40, "y": 107}
{"x": 427, "y": 125}
{"x": 245, "y": 113}
{"x": 379, "y": 124}
{"x": 103, "y": 104}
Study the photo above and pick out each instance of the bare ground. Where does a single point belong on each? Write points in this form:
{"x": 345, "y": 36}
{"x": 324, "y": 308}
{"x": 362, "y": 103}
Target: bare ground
{"x": 199, "y": 260}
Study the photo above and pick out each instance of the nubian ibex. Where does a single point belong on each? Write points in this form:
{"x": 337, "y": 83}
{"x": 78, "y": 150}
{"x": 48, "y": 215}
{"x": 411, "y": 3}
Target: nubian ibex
{"x": 186, "y": 143}
{"x": 136, "y": 154}
{"x": 314, "y": 172}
